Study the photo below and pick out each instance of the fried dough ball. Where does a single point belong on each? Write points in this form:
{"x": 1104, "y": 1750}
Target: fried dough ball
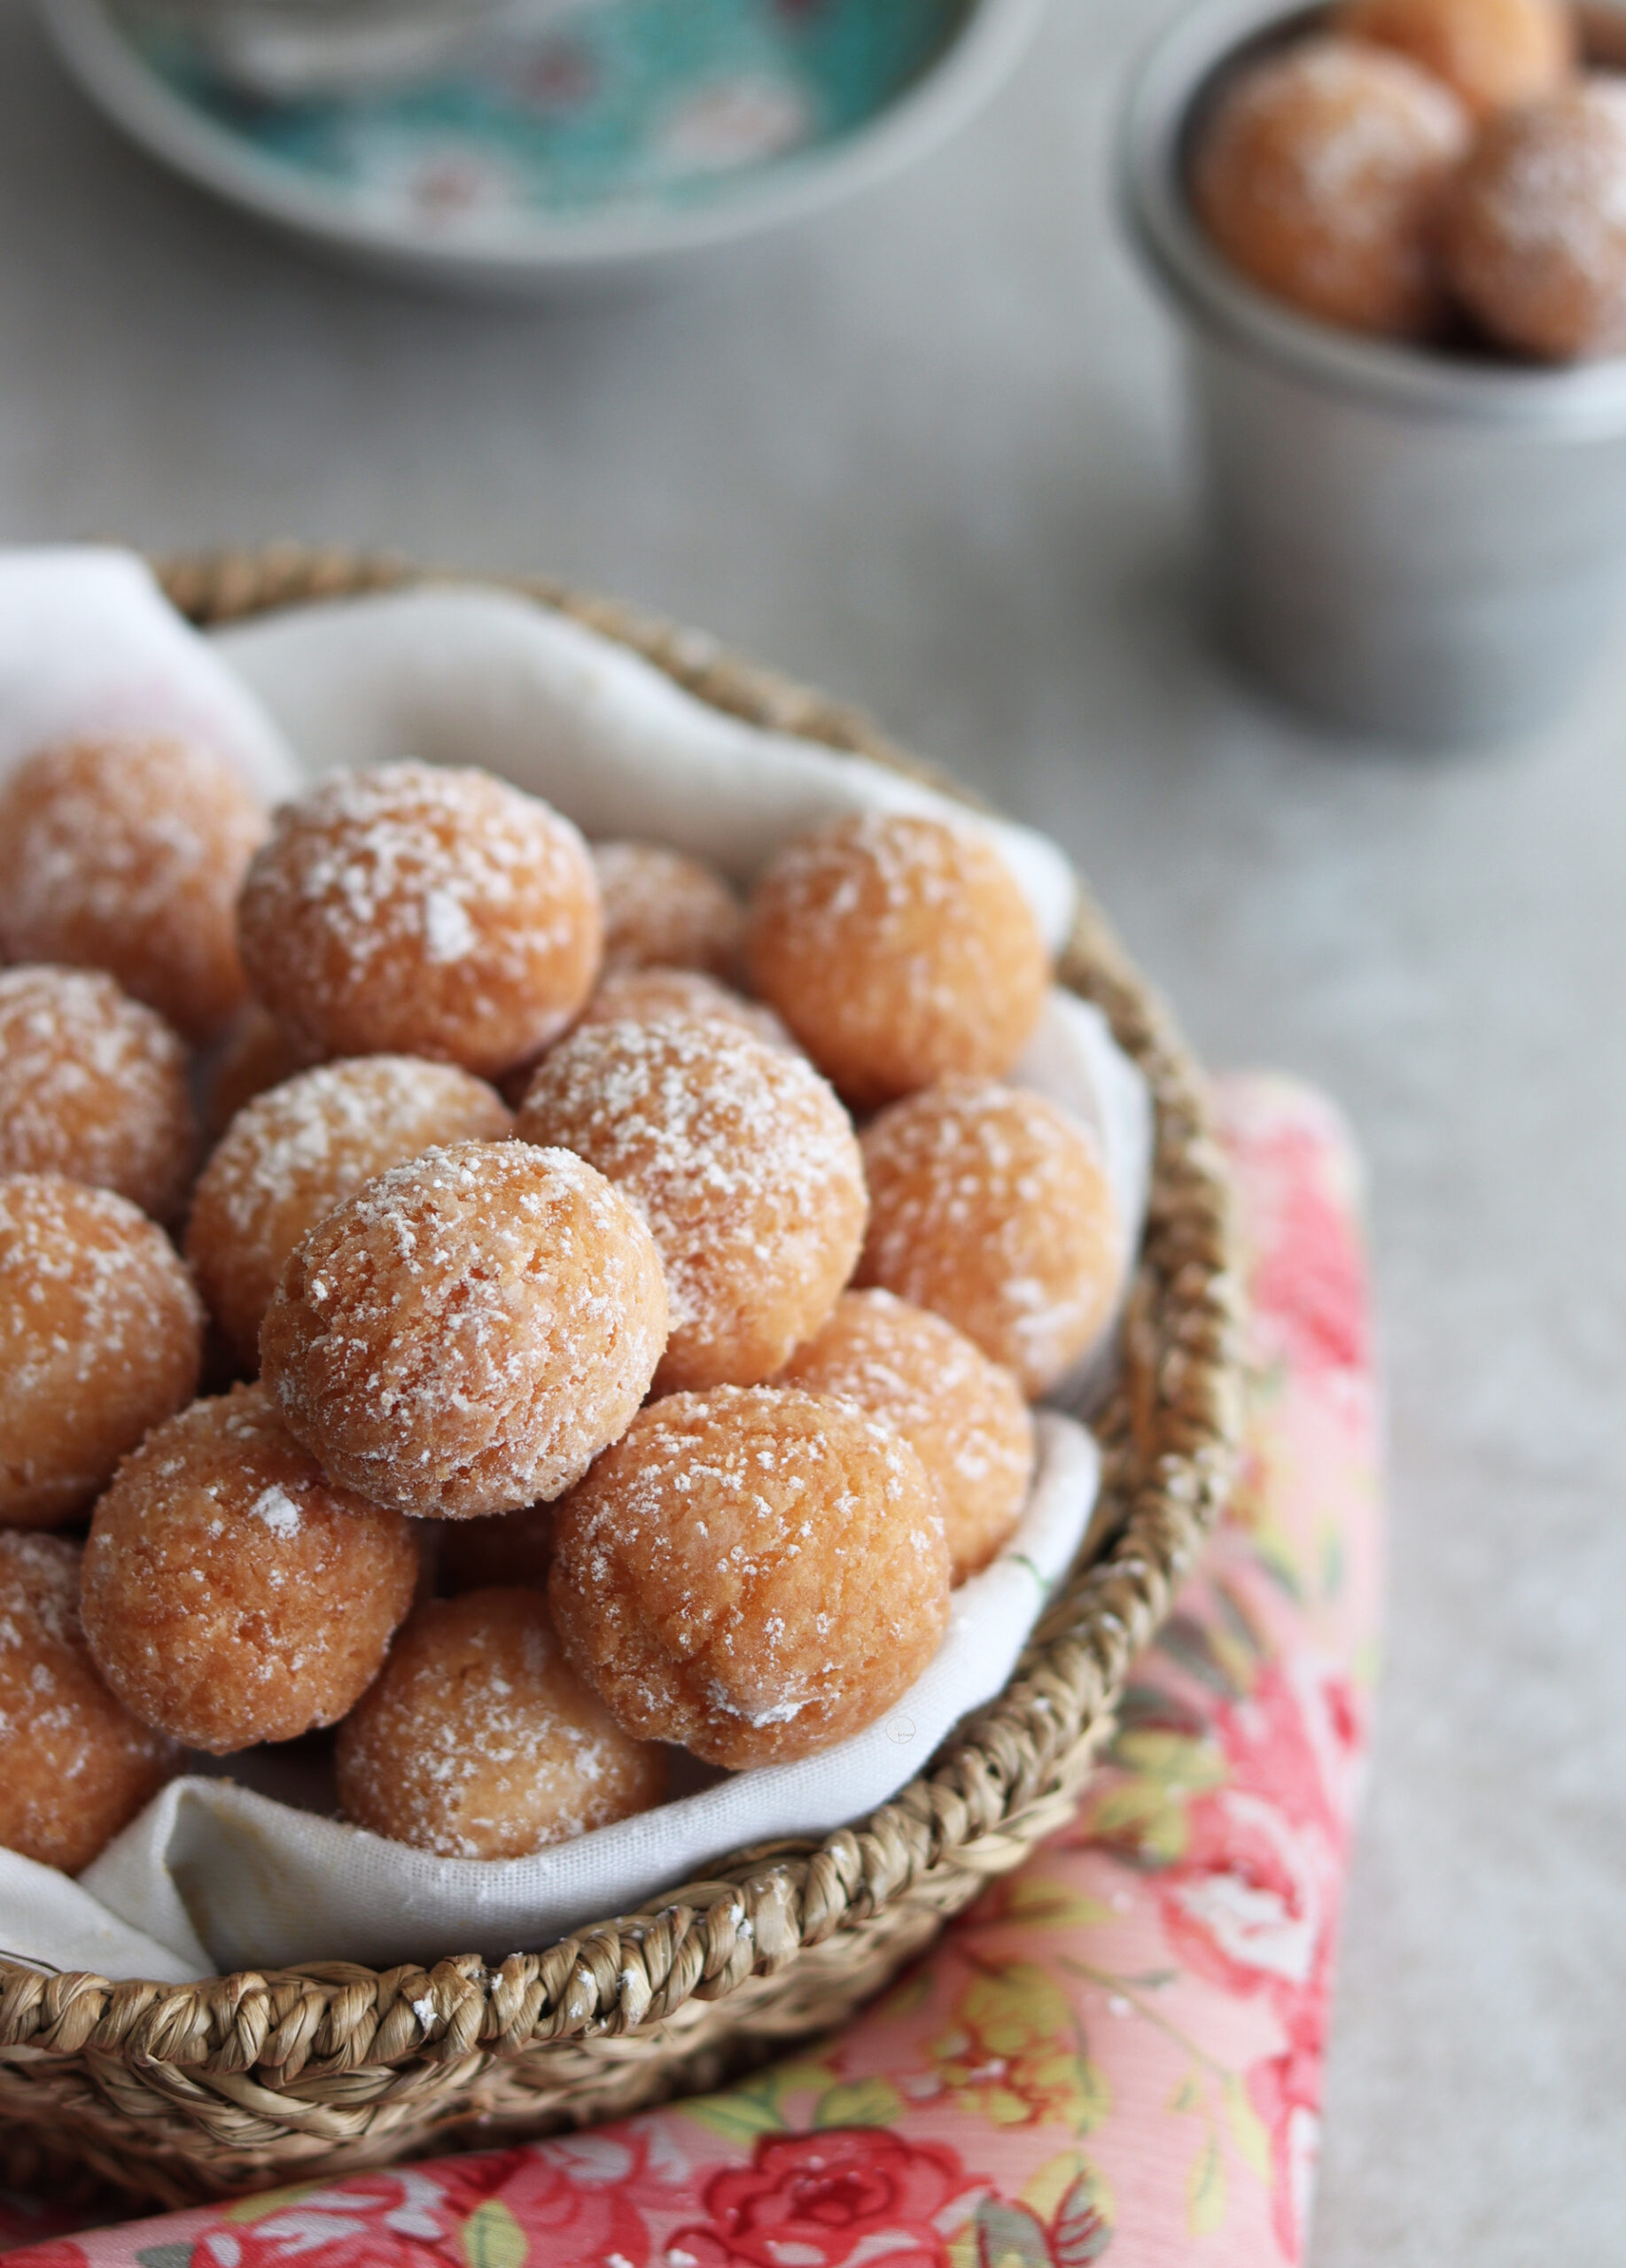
{"x": 480, "y": 1742}
{"x": 465, "y": 1334}
{"x": 990, "y": 1205}
{"x": 75, "y": 1766}
{"x": 422, "y": 911}
{"x": 897, "y": 950}
{"x": 93, "y": 1086}
{"x": 745, "y": 1167}
{"x": 662, "y": 908}
{"x": 128, "y": 855}
{"x": 650, "y": 995}
{"x": 1492, "y": 53}
{"x": 257, "y": 1054}
{"x": 963, "y": 1416}
{"x": 1320, "y": 173}
{"x": 755, "y": 1573}
{"x": 504, "y": 1550}
{"x": 101, "y": 1336}
{"x": 231, "y": 1593}
{"x": 1536, "y": 233}
{"x": 292, "y": 1156}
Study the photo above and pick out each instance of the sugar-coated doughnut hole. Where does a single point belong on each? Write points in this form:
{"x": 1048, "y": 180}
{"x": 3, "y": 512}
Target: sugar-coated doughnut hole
{"x": 422, "y": 911}
{"x": 466, "y": 1332}
{"x": 743, "y": 1163}
{"x": 653, "y": 995}
{"x": 101, "y": 1336}
{"x": 504, "y": 1550}
{"x": 1319, "y": 173}
{"x": 94, "y": 1086}
{"x": 990, "y": 1205}
{"x": 126, "y": 855}
{"x": 231, "y": 1593}
{"x": 480, "y": 1742}
{"x": 1491, "y": 54}
{"x": 257, "y": 1052}
{"x": 896, "y": 949}
{"x": 292, "y": 1155}
{"x": 75, "y": 1766}
{"x": 755, "y": 1573}
{"x": 963, "y": 1416}
{"x": 1536, "y": 232}
{"x": 662, "y": 908}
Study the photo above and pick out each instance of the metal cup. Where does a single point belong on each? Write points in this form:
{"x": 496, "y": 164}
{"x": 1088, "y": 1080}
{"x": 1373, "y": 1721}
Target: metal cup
{"x": 1409, "y": 543}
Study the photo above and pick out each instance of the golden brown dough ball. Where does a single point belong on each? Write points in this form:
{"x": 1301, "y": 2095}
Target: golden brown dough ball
{"x": 744, "y": 1165}
{"x": 990, "y": 1205}
{"x": 1492, "y": 53}
{"x": 480, "y": 1742}
{"x": 126, "y": 855}
{"x": 1536, "y": 233}
{"x": 465, "y": 1334}
{"x": 257, "y": 1054}
{"x": 294, "y": 1153}
{"x": 897, "y": 950}
{"x": 502, "y": 1550}
{"x": 101, "y": 1336}
{"x": 754, "y": 1573}
{"x": 963, "y": 1416}
{"x": 93, "y": 1086}
{"x": 420, "y": 912}
{"x": 662, "y": 908}
{"x": 75, "y": 1766}
{"x": 231, "y": 1593}
{"x": 1320, "y": 172}
{"x": 652, "y": 996}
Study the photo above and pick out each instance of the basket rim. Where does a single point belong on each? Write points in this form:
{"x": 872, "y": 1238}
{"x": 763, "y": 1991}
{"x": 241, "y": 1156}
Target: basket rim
{"x": 1008, "y": 1773}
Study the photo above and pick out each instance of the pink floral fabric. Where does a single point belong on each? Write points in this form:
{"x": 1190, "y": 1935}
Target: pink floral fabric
{"x": 1117, "y": 2054}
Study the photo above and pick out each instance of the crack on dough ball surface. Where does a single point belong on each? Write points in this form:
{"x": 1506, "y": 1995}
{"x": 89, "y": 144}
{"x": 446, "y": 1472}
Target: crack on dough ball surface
{"x": 231, "y": 1593}
{"x": 897, "y": 950}
{"x": 422, "y": 911}
{"x": 75, "y": 1766}
{"x": 754, "y": 1573}
{"x": 128, "y": 855}
{"x": 101, "y": 1336}
{"x": 1490, "y": 53}
{"x": 480, "y": 1742}
{"x": 295, "y": 1153}
{"x": 990, "y": 1205}
{"x": 745, "y": 1166}
{"x": 466, "y": 1332}
{"x": 661, "y": 907}
{"x": 651, "y": 996}
{"x": 963, "y": 1416}
{"x": 94, "y": 1085}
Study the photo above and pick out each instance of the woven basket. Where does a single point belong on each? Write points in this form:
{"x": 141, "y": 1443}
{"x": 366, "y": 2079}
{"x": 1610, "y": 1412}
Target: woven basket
{"x": 177, "y": 2092}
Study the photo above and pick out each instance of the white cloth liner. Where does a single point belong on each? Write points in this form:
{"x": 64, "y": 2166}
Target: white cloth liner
{"x": 213, "y": 1874}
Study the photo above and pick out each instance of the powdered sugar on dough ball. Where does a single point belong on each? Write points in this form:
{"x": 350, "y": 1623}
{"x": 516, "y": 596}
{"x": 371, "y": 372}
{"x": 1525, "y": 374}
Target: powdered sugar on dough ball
{"x": 897, "y": 950}
{"x": 754, "y": 1573}
{"x": 101, "y": 1336}
{"x": 231, "y": 1593}
{"x": 93, "y": 1086}
{"x": 1536, "y": 236}
{"x": 75, "y": 1766}
{"x": 743, "y": 1163}
{"x": 257, "y": 1054}
{"x": 663, "y": 908}
{"x": 1320, "y": 173}
{"x": 126, "y": 855}
{"x": 990, "y": 1205}
{"x": 480, "y": 1742}
{"x": 963, "y": 1416}
{"x": 506, "y": 1549}
{"x": 422, "y": 911}
{"x": 653, "y": 995}
{"x": 1493, "y": 53}
{"x": 293, "y": 1154}
{"x": 466, "y": 1332}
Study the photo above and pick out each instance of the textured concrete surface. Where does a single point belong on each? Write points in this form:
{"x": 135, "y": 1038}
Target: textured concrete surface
{"x": 927, "y": 453}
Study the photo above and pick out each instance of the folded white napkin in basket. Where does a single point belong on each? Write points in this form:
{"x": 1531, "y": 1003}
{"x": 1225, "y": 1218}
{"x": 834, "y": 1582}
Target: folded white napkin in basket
{"x": 218, "y": 1875}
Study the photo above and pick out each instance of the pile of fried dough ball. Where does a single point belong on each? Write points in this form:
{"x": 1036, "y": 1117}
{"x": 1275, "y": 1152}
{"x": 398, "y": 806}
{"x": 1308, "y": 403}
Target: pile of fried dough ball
{"x": 616, "y": 1305}
{"x": 1439, "y": 171}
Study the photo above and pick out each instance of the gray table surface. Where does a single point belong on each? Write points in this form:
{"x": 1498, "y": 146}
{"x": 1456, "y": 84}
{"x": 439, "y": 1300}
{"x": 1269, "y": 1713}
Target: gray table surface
{"x": 927, "y": 453}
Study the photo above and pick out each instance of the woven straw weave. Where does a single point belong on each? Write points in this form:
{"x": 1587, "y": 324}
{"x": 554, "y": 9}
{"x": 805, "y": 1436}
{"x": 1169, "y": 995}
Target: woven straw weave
{"x": 178, "y": 2091}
